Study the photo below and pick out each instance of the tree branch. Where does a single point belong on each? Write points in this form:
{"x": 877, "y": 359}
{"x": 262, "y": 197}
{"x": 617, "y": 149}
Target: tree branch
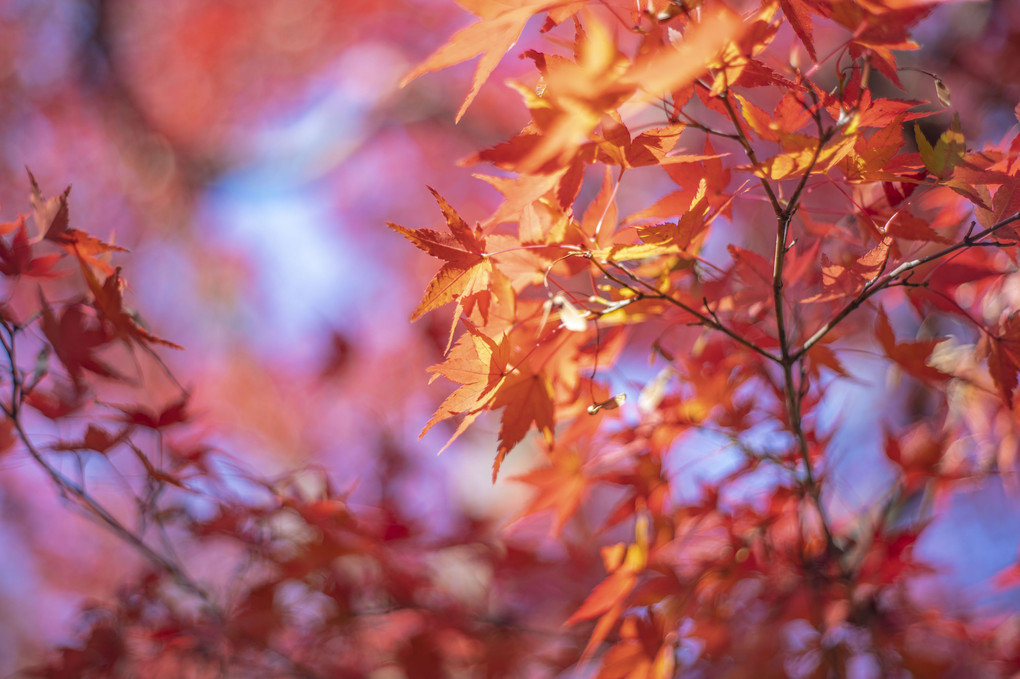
{"x": 710, "y": 321}
{"x": 788, "y": 360}
{"x": 882, "y": 282}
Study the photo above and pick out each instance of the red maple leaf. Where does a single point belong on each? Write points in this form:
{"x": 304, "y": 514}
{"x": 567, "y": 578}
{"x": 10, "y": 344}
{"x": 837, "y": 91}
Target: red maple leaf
{"x": 108, "y": 300}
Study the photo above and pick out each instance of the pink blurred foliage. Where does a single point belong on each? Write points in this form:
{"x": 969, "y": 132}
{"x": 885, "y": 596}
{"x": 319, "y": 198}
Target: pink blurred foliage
{"x": 166, "y": 118}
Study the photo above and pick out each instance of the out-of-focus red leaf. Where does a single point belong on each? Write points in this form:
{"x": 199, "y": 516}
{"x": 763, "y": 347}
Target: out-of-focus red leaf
{"x": 108, "y": 300}
{"x": 257, "y": 617}
{"x": 58, "y": 403}
{"x": 8, "y": 437}
{"x": 75, "y": 338}
{"x": 1004, "y": 357}
{"x": 912, "y": 357}
{"x": 173, "y": 413}
{"x": 96, "y": 438}
{"x": 560, "y": 486}
{"x": 17, "y": 259}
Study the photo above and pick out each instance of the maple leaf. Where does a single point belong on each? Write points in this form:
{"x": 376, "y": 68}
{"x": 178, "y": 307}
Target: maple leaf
{"x": 845, "y": 280}
{"x": 52, "y": 217}
{"x": 573, "y": 97}
{"x": 652, "y": 147}
{"x": 798, "y": 15}
{"x": 801, "y": 154}
{"x": 764, "y": 125}
{"x": 75, "y": 337}
{"x": 1004, "y": 357}
{"x": 51, "y": 214}
{"x": 869, "y": 158}
{"x": 257, "y": 616}
{"x": 501, "y": 24}
{"x": 59, "y": 403}
{"x": 96, "y": 439}
{"x": 476, "y": 363}
{"x": 108, "y": 300}
{"x": 891, "y": 557}
{"x": 911, "y": 357}
{"x": 689, "y": 171}
{"x": 687, "y": 230}
{"x": 560, "y": 486}
{"x": 821, "y": 355}
{"x": 679, "y": 64}
{"x": 910, "y": 227}
{"x": 917, "y": 452}
{"x": 17, "y": 260}
{"x": 174, "y": 413}
{"x": 468, "y": 277}
{"x": 608, "y": 600}
{"x": 527, "y": 399}
{"x": 489, "y": 381}
{"x": 1004, "y": 205}
{"x": 947, "y": 152}
{"x": 975, "y": 266}
{"x": 520, "y": 193}
{"x": 883, "y": 112}
{"x": 733, "y": 63}
{"x": 643, "y": 651}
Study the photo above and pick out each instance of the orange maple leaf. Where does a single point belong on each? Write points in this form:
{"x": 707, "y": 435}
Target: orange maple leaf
{"x": 609, "y": 598}
{"x": 501, "y": 24}
{"x": 644, "y": 651}
{"x": 680, "y": 235}
{"x": 469, "y": 276}
{"x": 798, "y": 15}
{"x": 846, "y": 280}
{"x": 483, "y": 367}
{"x": 574, "y": 96}
{"x": 561, "y": 486}
{"x": 475, "y": 362}
{"x": 527, "y": 397}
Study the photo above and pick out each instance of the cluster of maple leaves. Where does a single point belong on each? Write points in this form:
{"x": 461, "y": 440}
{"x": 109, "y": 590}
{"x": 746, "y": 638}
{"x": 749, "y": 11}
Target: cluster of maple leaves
{"x": 813, "y": 217}
{"x": 317, "y": 588}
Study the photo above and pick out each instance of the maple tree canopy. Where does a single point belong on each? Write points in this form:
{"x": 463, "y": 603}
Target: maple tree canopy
{"x": 734, "y": 304}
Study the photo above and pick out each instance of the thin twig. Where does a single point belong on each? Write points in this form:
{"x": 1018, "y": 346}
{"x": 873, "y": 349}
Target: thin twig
{"x": 882, "y": 282}
{"x": 708, "y": 321}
